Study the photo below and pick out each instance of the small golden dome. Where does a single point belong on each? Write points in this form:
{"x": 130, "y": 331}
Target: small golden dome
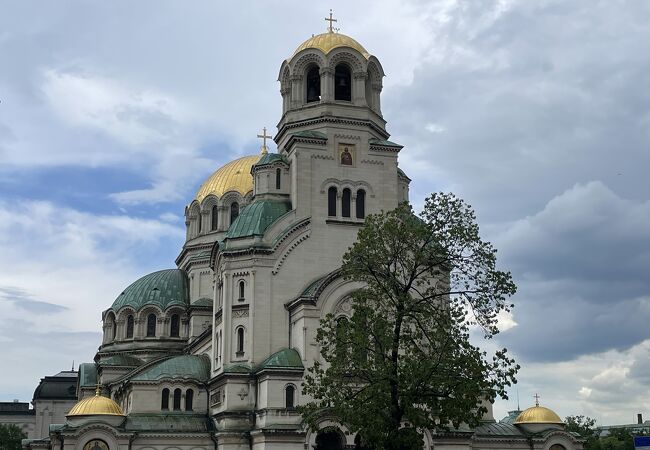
{"x": 96, "y": 406}
{"x": 538, "y": 414}
{"x": 326, "y": 42}
{"x": 234, "y": 176}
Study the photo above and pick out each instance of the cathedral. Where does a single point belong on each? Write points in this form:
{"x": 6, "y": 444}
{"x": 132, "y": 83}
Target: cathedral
{"x": 210, "y": 355}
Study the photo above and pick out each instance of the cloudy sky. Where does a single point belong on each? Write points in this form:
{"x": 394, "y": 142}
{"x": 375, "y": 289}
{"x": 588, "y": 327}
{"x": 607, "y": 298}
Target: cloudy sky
{"x": 536, "y": 112}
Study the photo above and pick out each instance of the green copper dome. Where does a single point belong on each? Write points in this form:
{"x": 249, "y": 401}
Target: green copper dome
{"x": 164, "y": 289}
{"x": 287, "y": 358}
{"x": 179, "y": 367}
{"x": 257, "y": 217}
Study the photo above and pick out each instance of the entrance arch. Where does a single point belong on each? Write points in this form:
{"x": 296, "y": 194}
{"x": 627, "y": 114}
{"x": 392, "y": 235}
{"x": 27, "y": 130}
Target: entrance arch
{"x": 329, "y": 439}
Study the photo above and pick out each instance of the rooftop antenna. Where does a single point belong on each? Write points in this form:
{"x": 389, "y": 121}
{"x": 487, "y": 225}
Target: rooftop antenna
{"x": 264, "y": 137}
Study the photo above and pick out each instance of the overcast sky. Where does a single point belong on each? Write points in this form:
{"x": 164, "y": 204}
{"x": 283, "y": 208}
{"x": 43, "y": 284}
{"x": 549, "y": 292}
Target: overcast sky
{"x": 535, "y": 112}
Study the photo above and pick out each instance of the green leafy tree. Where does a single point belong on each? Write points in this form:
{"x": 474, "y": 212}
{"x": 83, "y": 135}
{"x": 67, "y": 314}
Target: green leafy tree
{"x": 403, "y": 361}
{"x": 585, "y": 427}
{"x": 618, "y": 439}
{"x": 11, "y": 437}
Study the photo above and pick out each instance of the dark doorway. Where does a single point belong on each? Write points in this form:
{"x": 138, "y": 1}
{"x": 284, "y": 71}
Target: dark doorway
{"x": 329, "y": 440}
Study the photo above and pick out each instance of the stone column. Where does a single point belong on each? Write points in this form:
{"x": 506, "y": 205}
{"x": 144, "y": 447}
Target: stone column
{"x": 226, "y": 314}
{"x": 359, "y": 88}
{"x": 376, "y": 91}
{"x": 296, "y": 94}
{"x": 251, "y": 318}
{"x": 326, "y": 84}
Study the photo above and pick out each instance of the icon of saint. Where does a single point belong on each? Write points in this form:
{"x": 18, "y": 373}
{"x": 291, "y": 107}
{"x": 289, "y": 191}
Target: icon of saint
{"x": 346, "y": 157}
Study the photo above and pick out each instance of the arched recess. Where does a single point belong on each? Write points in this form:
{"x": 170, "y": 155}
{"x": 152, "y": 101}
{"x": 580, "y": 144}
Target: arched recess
{"x": 312, "y": 84}
{"x": 240, "y": 341}
{"x": 194, "y": 219}
{"x": 290, "y": 396}
{"x": 342, "y": 82}
{"x": 126, "y": 324}
{"x": 110, "y": 326}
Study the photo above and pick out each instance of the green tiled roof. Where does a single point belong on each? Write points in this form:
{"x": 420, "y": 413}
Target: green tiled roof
{"x": 185, "y": 366}
{"x": 236, "y": 368}
{"x": 122, "y": 360}
{"x": 257, "y": 217}
{"x": 384, "y": 143}
{"x": 270, "y": 158}
{"x": 310, "y": 134}
{"x": 170, "y": 422}
{"x": 87, "y": 374}
{"x": 285, "y": 358}
{"x": 313, "y": 287}
{"x": 498, "y": 429}
{"x": 401, "y": 172}
{"x": 164, "y": 289}
{"x": 202, "y": 302}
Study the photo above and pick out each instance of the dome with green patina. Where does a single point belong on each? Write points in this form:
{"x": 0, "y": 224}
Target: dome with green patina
{"x": 255, "y": 218}
{"x": 287, "y": 358}
{"x": 179, "y": 367}
{"x": 164, "y": 289}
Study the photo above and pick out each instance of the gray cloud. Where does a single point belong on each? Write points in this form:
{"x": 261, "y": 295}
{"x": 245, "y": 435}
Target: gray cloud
{"x": 23, "y": 300}
{"x": 581, "y": 264}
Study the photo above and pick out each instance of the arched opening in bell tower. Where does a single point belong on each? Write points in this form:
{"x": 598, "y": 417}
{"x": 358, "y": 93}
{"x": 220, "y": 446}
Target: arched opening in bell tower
{"x": 313, "y": 84}
{"x": 342, "y": 83}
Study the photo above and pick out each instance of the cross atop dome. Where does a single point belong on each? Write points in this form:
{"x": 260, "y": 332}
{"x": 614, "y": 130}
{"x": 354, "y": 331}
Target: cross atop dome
{"x": 264, "y": 149}
{"x": 331, "y": 20}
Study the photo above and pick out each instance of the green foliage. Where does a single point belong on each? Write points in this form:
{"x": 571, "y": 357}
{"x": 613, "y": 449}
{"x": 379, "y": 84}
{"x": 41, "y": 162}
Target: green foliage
{"x": 405, "y": 356}
{"x": 585, "y": 427}
{"x": 11, "y": 437}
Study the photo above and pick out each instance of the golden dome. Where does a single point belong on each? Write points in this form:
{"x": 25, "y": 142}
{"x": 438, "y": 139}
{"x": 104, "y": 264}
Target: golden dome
{"x": 326, "y": 42}
{"x": 94, "y": 406}
{"x": 234, "y": 176}
{"x": 538, "y": 414}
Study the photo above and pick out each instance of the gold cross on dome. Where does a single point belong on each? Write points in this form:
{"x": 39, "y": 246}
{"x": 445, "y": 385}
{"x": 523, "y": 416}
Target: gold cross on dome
{"x": 330, "y": 28}
{"x": 264, "y": 137}
{"x": 536, "y": 399}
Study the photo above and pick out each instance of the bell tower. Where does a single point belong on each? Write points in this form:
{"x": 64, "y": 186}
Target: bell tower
{"x": 332, "y": 131}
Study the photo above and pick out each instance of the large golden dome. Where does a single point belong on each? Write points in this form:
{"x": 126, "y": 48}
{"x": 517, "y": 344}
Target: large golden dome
{"x": 538, "y": 414}
{"x": 326, "y": 42}
{"x": 94, "y": 406}
{"x": 234, "y": 176}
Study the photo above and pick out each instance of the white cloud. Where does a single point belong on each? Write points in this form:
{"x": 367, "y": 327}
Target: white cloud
{"x": 135, "y": 116}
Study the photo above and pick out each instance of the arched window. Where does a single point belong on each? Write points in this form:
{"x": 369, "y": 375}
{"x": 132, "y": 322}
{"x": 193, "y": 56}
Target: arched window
{"x": 164, "y": 401}
{"x": 242, "y": 290}
{"x": 361, "y": 204}
{"x": 331, "y": 201}
{"x": 342, "y": 83}
{"x": 215, "y": 217}
{"x": 189, "y": 399}
{"x": 278, "y": 178}
{"x": 129, "y": 326}
{"x": 313, "y": 84}
{"x": 177, "y": 399}
{"x": 557, "y": 447}
{"x": 345, "y": 202}
{"x": 240, "y": 341}
{"x": 151, "y": 325}
{"x": 289, "y": 394}
{"x": 113, "y": 330}
{"x": 174, "y": 330}
{"x": 199, "y": 218}
{"x": 234, "y": 212}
